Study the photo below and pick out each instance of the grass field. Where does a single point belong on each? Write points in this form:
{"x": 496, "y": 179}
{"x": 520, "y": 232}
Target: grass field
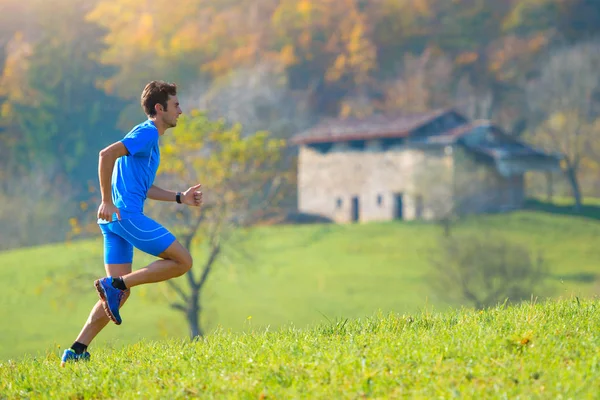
{"x": 297, "y": 275}
{"x": 549, "y": 350}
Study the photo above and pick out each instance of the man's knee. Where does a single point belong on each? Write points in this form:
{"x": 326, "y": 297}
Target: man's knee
{"x": 185, "y": 262}
{"x": 180, "y": 255}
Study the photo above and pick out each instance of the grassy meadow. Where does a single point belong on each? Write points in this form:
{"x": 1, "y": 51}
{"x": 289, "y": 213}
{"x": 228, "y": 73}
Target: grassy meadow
{"x": 297, "y": 276}
{"x": 534, "y": 350}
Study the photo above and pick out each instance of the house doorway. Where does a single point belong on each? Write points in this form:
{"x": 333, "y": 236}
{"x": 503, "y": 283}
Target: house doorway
{"x": 355, "y": 216}
{"x": 398, "y": 206}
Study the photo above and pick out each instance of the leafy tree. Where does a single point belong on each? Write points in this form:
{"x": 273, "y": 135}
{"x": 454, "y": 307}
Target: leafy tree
{"x": 571, "y": 20}
{"x": 490, "y": 60}
{"x": 565, "y": 109}
{"x": 424, "y": 82}
{"x": 241, "y": 186}
{"x": 13, "y": 90}
{"x": 142, "y": 46}
{"x": 51, "y": 95}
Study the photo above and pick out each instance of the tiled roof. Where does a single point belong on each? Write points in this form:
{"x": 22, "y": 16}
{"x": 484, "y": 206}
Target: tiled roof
{"x": 376, "y": 126}
{"x": 455, "y": 134}
{"x": 498, "y": 146}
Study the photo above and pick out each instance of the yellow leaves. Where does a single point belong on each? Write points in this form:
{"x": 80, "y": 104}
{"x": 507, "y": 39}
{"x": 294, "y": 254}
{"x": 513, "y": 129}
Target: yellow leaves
{"x": 215, "y": 154}
{"x": 287, "y": 55}
{"x": 169, "y": 149}
{"x": 304, "y": 7}
{"x": 6, "y": 110}
{"x": 557, "y": 121}
{"x": 563, "y": 164}
{"x": 13, "y": 81}
{"x": 465, "y": 58}
{"x": 422, "y": 7}
{"x": 345, "y": 109}
{"x": 538, "y": 42}
{"x": 186, "y": 39}
{"x": 362, "y": 53}
{"x": 523, "y": 11}
{"x": 141, "y": 37}
{"x": 336, "y": 71}
{"x": 75, "y": 227}
{"x": 590, "y": 165}
{"x": 144, "y": 27}
{"x": 357, "y": 54}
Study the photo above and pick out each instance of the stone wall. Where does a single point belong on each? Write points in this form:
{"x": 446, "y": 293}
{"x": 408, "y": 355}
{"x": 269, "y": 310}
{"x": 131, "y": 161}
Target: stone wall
{"x": 328, "y": 183}
{"x": 479, "y": 187}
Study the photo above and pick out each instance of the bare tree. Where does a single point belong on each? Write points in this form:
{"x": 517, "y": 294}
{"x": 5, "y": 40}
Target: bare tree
{"x": 564, "y": 106}
{"x": 485, "y": 270}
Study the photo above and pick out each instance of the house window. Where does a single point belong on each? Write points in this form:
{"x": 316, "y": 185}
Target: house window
{"x": 322, "y": 148}
{"x": 388, "y": 143}
{"x": 357, "y": 145}
{"x": 338, "y": 202}
{"x": 379, "y": 200}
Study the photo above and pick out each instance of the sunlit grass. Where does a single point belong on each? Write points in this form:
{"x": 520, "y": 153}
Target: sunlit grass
{"x": 300, "y": 275}
{"x": 549, "y": 350}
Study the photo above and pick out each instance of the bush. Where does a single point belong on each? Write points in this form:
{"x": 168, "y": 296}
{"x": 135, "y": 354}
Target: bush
{"x": 485, "y": 270}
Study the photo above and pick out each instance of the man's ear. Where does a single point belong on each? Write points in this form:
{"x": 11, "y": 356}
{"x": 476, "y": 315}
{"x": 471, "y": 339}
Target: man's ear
{"x": 158, "y": 107}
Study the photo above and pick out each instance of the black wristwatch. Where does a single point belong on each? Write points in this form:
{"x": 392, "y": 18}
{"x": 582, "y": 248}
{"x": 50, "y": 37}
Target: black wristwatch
{"x": 178, "y": 197}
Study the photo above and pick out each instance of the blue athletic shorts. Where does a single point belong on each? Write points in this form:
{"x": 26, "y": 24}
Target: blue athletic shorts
{"x": 120, "y": 237}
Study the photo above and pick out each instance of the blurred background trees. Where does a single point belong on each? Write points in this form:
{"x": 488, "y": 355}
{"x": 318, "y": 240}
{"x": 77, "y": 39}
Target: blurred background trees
{"x": 71, "y": 72}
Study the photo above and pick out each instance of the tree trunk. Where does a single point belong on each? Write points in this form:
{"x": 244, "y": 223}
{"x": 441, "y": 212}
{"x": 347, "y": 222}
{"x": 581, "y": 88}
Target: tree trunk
{"x": 571, "y": 173}
{"x": 193, "y": 304}
{"x": 193, "y": 315}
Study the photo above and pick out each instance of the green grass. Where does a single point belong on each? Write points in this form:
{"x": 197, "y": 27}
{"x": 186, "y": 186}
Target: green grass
{"x": 298, "y": 275}
{"x": 549, "y": 350}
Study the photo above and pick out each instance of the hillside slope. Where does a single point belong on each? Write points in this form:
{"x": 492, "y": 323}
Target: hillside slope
{"x": 533, "y": 350}
{"x": 298, "y": 275}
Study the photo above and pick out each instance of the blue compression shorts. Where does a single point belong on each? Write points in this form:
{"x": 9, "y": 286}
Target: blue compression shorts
{"x": 139, "y": 231}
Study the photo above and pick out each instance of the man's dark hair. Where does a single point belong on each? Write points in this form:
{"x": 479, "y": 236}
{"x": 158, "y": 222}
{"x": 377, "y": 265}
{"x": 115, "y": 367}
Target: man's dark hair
{"x": 157, "y": 92}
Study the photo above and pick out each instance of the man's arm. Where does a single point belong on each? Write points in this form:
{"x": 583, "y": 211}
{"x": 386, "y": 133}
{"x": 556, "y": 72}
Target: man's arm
{"x": 160, "y": 194}
{"x": 106, "y": 164}
{"x": 190, "y": 197}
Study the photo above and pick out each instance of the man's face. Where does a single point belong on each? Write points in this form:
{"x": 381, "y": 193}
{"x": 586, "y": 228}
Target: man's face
{"x": 172, "y": 112}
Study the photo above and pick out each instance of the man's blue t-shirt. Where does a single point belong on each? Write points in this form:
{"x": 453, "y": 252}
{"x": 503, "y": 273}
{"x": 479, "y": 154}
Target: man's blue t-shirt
{"x": 134, "y": 173}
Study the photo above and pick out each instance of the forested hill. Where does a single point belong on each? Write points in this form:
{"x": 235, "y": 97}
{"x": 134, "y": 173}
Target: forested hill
{"x": 72, "y": 70}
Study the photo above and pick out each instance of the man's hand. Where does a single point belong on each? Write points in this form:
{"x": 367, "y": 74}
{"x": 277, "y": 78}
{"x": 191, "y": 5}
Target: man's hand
{"x": 106, "y": 211}
{"x": 192, "y": 196}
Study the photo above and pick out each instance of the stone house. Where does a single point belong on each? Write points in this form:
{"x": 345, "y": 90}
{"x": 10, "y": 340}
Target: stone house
{"x": 412, "y": 166}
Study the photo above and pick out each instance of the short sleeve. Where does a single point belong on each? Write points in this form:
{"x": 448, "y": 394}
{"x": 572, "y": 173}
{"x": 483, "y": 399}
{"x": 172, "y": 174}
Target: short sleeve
{"x": 140, "y": 141}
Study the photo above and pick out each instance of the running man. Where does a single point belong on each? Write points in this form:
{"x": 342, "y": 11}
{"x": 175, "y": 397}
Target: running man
{"x": 126, "y": 171}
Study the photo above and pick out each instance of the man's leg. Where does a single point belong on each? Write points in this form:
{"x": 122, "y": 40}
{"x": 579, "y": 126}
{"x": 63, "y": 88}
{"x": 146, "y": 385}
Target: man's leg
{"x": 152, "y": 238}
{"x": 98, "y": 318}
{"x": 176, "y": 261}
